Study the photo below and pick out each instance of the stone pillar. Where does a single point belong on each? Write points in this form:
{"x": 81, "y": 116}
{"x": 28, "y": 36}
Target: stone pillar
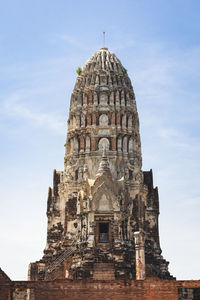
{"x": 82, "y": 120}
{"x": 85, "y": 99}
{"x": 119, "y": 144}
{"x": 93, "y": 144}
{"x": 118, "y": 119}
{"x": 117, "y": 98}
{"x": 130, "y": 122}
{"x": 76, "y": 145}
{"x": 113, "y": 119}
{"x": 125, "y": 144}
{"x": 94, "y": 121}
{"x": 112, "y": 98}
{"x": 140, "y": 255}
{"x": 127, "y": 99}
{"x": 78, "y": 119}
{"x": 87, "y": 144}
{"x": 122, "y": 98}
{"x": 82, "y": 144}
{"x": 114, "y": 141}
{"x": 90, "y": 98}
{"x": 89, "y": 122}
{"x": 124, "y": 121}
{"x": 95, "y": 98}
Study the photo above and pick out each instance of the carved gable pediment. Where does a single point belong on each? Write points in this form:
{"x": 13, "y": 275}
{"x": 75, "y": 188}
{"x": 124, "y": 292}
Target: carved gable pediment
{"x": 108, "y": 181}
{"x": 104, "y": 199}
{"x": 104, "y": 203}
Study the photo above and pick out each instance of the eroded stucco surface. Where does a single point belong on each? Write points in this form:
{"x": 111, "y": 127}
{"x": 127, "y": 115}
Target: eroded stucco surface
{"x": 102, "y": 197}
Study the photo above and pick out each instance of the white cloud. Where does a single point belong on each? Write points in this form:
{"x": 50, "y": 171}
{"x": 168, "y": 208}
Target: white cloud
{"x": 74, "y": 41}
{"x": 15, "y": 107}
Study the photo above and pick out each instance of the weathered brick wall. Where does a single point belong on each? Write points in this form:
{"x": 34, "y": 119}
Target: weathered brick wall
{"x": 4, "y": 286}
{"x": 65, "y": 289}
{"x": 4, "y": 291}
{"x": 96, "y": 290}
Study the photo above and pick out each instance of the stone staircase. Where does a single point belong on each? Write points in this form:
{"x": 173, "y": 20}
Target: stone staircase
{"x": 59, "y": 260}
{"x": 103, "y": 271}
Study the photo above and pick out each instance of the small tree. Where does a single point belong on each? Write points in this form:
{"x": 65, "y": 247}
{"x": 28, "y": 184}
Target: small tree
{"x": 79, "y": 70}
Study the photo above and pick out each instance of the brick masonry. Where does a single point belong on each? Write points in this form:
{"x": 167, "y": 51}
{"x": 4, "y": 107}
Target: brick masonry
{"x": 64, "y": 289}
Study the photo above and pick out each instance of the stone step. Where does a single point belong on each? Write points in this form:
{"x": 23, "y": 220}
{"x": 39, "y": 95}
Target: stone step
{"x": 103, "y": 271}
{"x": 103, "y": 265}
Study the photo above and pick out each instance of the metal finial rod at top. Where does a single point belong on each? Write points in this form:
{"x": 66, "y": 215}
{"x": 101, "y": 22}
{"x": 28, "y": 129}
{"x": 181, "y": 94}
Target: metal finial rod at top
{"x": 104, "y": 38}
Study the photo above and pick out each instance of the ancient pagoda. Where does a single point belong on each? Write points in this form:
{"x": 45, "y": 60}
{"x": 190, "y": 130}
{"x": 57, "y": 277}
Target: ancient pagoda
{"x": 103, "y": 209}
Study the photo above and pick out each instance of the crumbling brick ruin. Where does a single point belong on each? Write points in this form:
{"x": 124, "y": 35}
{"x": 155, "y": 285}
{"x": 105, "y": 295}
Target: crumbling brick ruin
{"x": 103, "y": 209}
{"x": 102, "y": 234}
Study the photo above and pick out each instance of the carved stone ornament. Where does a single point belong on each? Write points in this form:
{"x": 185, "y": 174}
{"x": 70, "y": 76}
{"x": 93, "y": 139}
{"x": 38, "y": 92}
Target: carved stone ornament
{"x": 104, "y": 144}
{"x": 139, "y": 177}
{"x": 103, "y": 120}
{"x": 103, "y": 196}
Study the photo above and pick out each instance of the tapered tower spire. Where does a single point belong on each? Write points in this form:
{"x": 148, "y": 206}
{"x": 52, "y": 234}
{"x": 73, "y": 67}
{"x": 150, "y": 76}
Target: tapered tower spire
{"x": 102, "y": 208}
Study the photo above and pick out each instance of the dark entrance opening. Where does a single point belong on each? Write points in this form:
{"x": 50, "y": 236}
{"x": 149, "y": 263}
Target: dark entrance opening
{"x": 103, "y": 232}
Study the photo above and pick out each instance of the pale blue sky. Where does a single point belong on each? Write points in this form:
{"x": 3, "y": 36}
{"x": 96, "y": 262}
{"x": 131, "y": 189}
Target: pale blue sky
{"x": 41, "y": 45}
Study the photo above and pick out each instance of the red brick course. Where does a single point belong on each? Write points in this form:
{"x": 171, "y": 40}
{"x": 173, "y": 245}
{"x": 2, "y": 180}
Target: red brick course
{"x": 93, "y": 144}
{"x": 89, "y": 121}
{"x": 113, "y": 119}
{"x": 94, "y": 119}
{"x": 82, "y": 143}
{"x": 118, "y": 118}
{"x": 65, "y": 289}
{"x": 114, "y": 144}
{"x": 90, "y": 100}
{"x": 5, "y": 283}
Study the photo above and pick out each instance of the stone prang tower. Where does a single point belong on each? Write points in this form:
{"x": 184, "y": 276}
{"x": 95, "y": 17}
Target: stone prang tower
{"x": 103, "y": 209}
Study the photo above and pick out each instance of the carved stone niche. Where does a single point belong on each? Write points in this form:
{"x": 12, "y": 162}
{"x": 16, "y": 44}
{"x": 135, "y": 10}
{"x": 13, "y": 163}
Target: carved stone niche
{"x": 119, "y": 144}
{"x": 103, "y": 80}
{"x": 95, "y": 98}
{"x": 77, "y": 121}
{"x": 131, "y": 145}
{"x": 102, "y": 200}
{"x": 76, "y": 146}
{"x": 125, "y": 144}
{"x": 103, "y": 98}
{"x": 103, "y": 120}
{"x": 112, "y": 98}
{"x": 139, "y": 177}
{"x": 130, "y": 121}
{"x": 82, "y": 120}
{"x": 104, "y": 144}
{"x": 104, "y": 204}
{"x": 122, "y": 98}
{"x": 124, "y": 121}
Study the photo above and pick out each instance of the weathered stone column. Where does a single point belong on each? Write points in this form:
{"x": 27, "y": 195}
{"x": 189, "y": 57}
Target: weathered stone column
{"x": 140, "y": 255}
